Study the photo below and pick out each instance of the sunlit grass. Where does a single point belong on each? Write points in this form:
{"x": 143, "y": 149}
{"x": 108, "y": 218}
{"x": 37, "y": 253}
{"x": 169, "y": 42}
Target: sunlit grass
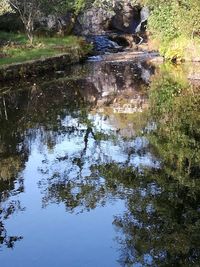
{"x": 16, "y": 47}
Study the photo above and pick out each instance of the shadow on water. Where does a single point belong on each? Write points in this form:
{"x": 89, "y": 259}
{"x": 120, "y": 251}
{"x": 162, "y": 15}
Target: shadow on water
{"x": 101, "y": 135}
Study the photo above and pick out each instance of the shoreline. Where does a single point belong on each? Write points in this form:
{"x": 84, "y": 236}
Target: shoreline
{"x": 59, "y": 62}
{"x": 40, "y": 66}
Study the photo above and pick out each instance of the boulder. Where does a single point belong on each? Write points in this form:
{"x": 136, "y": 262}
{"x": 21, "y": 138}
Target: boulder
{"x": 126, "y": 18}
{"x": 94, "y": 21}
{"x": 54, "y": 24}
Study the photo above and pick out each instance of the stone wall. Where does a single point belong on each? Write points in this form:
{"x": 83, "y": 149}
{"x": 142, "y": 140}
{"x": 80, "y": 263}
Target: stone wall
{"x": 38, "y": 67}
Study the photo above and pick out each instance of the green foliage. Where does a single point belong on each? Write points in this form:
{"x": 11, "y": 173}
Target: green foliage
{"x": 168, "y": 210}
{"x": 79, "y": 5}
{"x": 160, "y": 22}
{"x": 175, "y": 110}
{"x": 164, "y": 89}
{"x": 61, "y": 6}
{"x": 175, "y": 24}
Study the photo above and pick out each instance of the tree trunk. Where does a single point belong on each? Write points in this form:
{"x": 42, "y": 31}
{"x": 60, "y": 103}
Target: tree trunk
{"x": 30, "y": 36}
{"x": 30, "y": 29}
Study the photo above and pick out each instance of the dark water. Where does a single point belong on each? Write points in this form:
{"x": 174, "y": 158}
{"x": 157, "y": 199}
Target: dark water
{"x": 99, "y": 166}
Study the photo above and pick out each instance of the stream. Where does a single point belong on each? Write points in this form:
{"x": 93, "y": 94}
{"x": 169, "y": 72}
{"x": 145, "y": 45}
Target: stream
{"x": 99, "y": 166}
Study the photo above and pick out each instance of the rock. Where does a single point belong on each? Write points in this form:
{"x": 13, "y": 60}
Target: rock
{"x": 39, "y": 66}
{"x": 53, "y": 24}
{"x": 144, "y": 15}
{"x": 125, "y": 40}
{"x": 43, "y": 25}
{"x": 126, "y": 18}
{"x": 194, "y": 76}
{"x": 157, "y": 59}
{"x": 92, "y": 22}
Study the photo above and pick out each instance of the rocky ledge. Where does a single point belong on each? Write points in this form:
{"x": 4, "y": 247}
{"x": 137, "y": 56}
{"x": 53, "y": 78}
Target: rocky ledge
{"x": 39, "y": 67}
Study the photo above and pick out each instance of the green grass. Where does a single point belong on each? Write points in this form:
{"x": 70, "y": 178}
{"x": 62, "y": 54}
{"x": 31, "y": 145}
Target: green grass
{"x": 17, "y": 49}
{"x": 178, "y": 49}
{"x": 7, "y": 36}
{"x": 181, "y": 49}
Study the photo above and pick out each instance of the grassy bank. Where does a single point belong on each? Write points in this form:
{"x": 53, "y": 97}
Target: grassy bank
{"x": 15, "y": 48}
{"x": 178, "y": 49}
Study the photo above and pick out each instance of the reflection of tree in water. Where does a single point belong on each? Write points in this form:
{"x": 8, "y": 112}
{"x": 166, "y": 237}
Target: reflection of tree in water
{"x": 6, "y": 211}
{"x": 74, "y": 179}
{"x": 161, "y": 224}
{"x": 161, "y": 227}
{"x": 13, "y": 154}
{"x": 37, "y": 113}
{"x": 26, "y": 116}
{"x": 9, "y": 188}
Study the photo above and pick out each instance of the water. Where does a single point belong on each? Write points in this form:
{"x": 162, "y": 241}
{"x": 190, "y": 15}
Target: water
{"x": 99, "y": 166}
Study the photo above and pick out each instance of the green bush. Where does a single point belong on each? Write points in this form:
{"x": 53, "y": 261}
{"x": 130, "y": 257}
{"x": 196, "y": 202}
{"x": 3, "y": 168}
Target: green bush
{"x": 175, "y": 25}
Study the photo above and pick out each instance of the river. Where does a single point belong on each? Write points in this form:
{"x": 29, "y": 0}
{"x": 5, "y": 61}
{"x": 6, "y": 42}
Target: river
{"x": 99, "y": 166}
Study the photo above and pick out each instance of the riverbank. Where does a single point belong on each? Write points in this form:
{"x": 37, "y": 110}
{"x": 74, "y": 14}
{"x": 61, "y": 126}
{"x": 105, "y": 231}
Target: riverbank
{"x": 15, "y": 48}
{"x": 178, "y": 50}
{"x": 19, "y": 59}
{"x": 39, "y": 67}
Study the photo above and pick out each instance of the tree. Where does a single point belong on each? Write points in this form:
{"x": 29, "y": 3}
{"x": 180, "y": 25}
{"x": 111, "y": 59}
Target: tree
{"x": 28, "y": 12}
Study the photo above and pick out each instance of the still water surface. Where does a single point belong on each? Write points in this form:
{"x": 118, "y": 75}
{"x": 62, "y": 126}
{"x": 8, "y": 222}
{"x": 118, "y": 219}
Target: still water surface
{"x": 99, "y": 166}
